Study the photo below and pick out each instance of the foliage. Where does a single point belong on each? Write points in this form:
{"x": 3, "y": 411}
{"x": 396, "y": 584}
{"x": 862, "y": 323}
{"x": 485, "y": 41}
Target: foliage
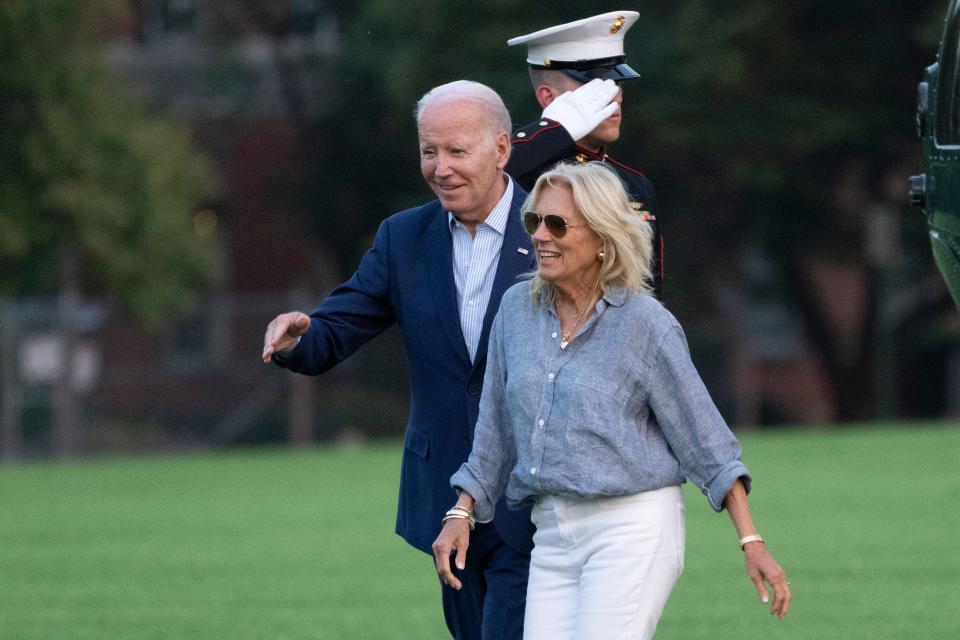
{"x": 86, "y": 166}
{"x": 365, "y": 152}
{"x": 769, "y": 128}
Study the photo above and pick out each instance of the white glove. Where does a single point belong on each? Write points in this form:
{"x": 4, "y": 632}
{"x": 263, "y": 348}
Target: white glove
{"x": 582, "y": 110}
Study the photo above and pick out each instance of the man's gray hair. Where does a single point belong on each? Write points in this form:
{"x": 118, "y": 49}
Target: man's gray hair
{"x": 496, "y": 116}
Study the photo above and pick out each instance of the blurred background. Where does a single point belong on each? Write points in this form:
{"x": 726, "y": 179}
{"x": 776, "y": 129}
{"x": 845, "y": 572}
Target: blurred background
{"x": 174, "y": 173}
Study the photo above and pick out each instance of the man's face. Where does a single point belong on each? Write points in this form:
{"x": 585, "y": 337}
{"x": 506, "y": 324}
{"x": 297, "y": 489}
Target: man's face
{"x": 461, "y": 160}
{"x": 605, "y": 133}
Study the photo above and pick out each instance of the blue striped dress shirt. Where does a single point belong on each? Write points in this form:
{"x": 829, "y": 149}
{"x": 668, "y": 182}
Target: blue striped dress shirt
{"x": 475, "y": 261}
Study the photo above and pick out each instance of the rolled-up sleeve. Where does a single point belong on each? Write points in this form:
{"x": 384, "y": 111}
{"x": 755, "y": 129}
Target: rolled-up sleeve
{"x": 485, "y": 473}
{"x": 707, "y": 450}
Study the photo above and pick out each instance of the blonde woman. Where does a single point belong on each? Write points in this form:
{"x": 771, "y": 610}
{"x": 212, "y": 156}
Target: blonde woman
{"x": 593, "y": 412}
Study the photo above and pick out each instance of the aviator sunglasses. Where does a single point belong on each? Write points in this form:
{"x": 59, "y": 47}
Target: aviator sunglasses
{"x": 556, "y": 225}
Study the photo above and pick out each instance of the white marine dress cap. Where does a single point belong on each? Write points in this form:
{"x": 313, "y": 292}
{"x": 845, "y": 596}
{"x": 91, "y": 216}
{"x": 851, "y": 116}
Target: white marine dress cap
{"x": 583, "y": 49}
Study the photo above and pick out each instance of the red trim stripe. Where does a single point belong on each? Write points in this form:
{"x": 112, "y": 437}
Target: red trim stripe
{"x": 533, "y": 135}
{"x": 663, "y": 260}
{"x": 623, "y": 166}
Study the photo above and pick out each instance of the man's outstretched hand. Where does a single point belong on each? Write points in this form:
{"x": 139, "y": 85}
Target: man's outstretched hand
{"x": 284, "y": 332}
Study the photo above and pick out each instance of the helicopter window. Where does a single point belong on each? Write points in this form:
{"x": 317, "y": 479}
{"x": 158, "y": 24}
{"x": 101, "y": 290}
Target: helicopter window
{"x": 948, "y": 94}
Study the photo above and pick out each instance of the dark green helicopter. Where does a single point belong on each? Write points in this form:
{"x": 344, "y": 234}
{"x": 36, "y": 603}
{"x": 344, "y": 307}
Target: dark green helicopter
{"x": 937, "y": 190}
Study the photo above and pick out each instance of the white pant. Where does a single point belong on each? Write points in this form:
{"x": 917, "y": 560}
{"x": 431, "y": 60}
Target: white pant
{"x": 603, "y": 568}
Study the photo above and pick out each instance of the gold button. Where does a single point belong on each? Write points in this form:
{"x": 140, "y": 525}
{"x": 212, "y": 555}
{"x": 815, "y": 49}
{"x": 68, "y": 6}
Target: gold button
{"x": 521, "y": 134}
{"x": 544, "y": 123}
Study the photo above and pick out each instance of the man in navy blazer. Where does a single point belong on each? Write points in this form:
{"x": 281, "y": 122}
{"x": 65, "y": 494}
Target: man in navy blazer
{"x": 439, "y": 271}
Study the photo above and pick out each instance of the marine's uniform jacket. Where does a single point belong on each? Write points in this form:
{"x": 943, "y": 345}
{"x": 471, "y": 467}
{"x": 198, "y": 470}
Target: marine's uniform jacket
{"x": 543, "y": 143}
{"x": 407, "y": 278}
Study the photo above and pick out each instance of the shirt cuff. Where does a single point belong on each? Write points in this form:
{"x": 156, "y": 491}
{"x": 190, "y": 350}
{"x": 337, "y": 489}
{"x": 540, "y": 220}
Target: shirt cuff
{"x": 483, "y": 507}
{"x": 716, "y": 489}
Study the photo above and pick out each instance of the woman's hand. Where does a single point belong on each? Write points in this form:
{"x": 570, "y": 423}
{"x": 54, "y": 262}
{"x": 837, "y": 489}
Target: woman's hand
{"x": 455, "y": 536}
{"x": 762, "y": 568}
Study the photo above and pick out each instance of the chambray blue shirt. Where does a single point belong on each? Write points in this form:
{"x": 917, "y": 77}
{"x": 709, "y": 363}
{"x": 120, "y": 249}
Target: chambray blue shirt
{"x": 621, "y": 410}
{"x": 475, "y": 261}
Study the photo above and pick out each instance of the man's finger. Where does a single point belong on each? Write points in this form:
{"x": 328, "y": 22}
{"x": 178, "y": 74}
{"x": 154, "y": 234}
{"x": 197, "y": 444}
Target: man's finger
{"x": 607, "y": 90}
{"x": 608, "y": 110}
{"x": 275, "y": 330}
{"x": 299, "y": 325}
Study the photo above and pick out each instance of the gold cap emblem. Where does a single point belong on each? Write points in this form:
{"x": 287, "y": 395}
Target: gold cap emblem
{"x": 546, "y": 62}
{"x": 581, "y": 159}
{"x": 617, "y": 24}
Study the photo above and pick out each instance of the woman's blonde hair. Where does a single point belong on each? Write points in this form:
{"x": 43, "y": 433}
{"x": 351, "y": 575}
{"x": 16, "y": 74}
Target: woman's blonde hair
{"x": 601, "y": 199}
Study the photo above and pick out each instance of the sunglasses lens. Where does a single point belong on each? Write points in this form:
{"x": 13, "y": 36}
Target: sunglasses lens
{"x": 556, "y": 225}
{"x": 530, "y": 222}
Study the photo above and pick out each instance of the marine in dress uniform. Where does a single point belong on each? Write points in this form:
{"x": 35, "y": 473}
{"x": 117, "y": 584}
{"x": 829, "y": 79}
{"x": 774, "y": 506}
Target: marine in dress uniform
{"x": 576, "y": 69}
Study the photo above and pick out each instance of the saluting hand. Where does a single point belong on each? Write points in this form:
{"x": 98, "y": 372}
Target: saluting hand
{"x": 284, "y": 332}
{"x": 581, "y": 110}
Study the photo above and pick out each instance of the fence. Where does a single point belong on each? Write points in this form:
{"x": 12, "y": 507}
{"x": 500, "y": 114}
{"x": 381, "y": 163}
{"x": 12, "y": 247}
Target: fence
{"x": 102, "y": 385}
{"x": 97, "y": 384}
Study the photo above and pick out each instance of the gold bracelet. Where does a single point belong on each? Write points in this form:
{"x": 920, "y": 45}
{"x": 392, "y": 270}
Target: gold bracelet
{"x": 459, "y": 516}
{"x": 456, "y": 511}
{"x": 751, "y": 538}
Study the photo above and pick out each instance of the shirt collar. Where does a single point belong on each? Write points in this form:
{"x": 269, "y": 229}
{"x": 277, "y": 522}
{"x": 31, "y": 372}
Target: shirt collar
{"x": 616, "y": 295}
{"x": 497, "y": 218}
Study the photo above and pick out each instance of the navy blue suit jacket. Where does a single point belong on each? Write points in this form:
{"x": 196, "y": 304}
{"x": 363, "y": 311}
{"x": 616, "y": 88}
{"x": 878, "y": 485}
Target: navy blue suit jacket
{"x": 407, "y": 277}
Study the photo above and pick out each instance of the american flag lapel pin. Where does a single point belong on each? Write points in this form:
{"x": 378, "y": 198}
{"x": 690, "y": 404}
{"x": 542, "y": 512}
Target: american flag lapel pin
{"x": 521, "y": 250}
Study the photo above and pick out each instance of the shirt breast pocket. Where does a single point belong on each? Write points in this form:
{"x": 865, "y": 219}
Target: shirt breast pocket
{"x": 596, "y": 418}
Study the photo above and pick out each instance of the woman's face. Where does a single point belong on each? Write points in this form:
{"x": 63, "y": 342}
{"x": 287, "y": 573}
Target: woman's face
{"x": 570, "y": 260}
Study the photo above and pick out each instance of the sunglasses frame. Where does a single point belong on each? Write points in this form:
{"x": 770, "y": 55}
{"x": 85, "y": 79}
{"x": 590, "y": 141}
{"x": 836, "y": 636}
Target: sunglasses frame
{"x": 548, "y": 220}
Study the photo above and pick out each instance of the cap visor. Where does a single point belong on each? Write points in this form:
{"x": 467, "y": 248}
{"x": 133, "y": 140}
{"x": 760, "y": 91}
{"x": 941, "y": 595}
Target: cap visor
{"x": 617, "y": 73}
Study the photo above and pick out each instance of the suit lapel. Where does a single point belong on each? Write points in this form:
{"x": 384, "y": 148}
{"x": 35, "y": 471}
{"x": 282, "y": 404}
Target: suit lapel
{"x": 516, "y": 258}
{"x": 439, "y": 259}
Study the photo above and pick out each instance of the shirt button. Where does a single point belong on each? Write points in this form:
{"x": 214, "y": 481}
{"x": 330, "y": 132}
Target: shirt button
{"x": 553, "y": 335}
{"x": 466, "y": 264}
{"x": 550, "y": 376}
{"x": 474, "y": 389}
{"x": 471, "y": 303}
{"x": 540, "y": 422}
{"x": 544, "y": 123}
{"x": 468, "y": 440}
{"x": 533, "y": 471}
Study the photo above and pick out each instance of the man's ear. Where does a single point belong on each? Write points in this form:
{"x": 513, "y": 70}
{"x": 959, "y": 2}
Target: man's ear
{"x": 546, "y": 94}
{"x": 502, "y": 145}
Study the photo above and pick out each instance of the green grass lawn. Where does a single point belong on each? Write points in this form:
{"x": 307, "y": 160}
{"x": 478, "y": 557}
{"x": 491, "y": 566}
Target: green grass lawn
{"x": 282, "y": 544}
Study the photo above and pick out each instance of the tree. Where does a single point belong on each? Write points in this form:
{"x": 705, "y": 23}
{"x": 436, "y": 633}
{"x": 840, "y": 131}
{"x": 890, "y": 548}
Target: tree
{"x": 86, "y": 167}
{"x": 781, "y": 124}
{"x": 769, "y": 125}
{"x": 97, "y": 194}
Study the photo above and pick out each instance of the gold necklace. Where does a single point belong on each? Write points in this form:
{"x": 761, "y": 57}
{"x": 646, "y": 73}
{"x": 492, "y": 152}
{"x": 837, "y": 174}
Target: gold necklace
{"x": 567, "y": 336}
